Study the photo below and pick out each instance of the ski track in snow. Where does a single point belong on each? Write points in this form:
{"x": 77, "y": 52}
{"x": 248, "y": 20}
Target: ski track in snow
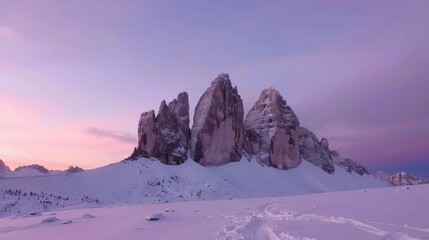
{"x": 270, "y": 222}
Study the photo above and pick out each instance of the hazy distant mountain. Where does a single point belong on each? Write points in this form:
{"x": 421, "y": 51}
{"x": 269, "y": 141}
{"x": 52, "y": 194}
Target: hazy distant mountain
{"x": 400, "y": 178}
{"x": 3, "y": 168}
{"x": 37, "y": 167}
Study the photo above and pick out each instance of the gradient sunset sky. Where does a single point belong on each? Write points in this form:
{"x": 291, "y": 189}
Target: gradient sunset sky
{"x": 75, "y": 75}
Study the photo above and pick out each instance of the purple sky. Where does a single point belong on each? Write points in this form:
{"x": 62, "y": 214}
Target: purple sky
{"x": 75, "y": 75}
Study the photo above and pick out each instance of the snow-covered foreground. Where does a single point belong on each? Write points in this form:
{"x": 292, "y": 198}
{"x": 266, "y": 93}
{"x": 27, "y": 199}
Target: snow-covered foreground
{"x": 149, "y": 181}
{"x": 378, "y": 213}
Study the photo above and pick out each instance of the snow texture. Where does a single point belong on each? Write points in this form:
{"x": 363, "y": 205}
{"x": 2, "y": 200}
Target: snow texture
{"x": 397, "y": 213}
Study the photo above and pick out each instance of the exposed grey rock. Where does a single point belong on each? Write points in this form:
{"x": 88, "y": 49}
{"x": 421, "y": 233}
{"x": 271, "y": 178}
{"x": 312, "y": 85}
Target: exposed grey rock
{"x": 271, "y": 131}
{"x": 315, "y": 152}
{"x": 319, "y": 154}
{"x": 134, "y": 155}
{"x": 172, "y": 131}
{"x": 217, "y": 131}
{"x": 147, "y": 134}
{"x": 49, "y": 220}
{"x": 166, "y": 136}
{"x": 348, "y": 164}
{"x": 180, "y": 107}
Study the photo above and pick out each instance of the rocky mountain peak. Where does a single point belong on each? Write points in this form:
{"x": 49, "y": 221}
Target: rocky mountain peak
{"x": 271, "y": 131}
{"x": 403, "y": 179}
{"x": 217, "y": 131}
{"x": 166, "y": 136}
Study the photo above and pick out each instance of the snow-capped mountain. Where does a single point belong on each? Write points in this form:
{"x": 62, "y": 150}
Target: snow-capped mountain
{"x": 223, "y": 156}
{"x": 400, "y": 178}
{"x": 370, "y": 214}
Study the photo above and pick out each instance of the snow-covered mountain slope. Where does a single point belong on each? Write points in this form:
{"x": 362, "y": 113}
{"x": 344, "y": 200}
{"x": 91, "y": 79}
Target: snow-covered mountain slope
{"x": 379, "y": 213}
{"x": 150, "y": 181}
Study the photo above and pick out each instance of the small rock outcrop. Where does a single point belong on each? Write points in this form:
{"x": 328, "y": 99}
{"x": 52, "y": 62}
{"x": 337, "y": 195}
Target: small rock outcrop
{"x": 217, "y": 131}
{"x": 348, "y": 164}
{"x": 166, "y": 136}
{"x": 315, "y": 152}
{"x": 75, "y": 169}
{"x": 271, "y": 131}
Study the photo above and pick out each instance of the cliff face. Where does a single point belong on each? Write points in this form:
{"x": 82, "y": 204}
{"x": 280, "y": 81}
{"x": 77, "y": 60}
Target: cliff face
{"x": 271, "y": 131}
{"x": 217, "y": 131}
{"x": 315, "y": 151}
{"x": 166, "y": 136}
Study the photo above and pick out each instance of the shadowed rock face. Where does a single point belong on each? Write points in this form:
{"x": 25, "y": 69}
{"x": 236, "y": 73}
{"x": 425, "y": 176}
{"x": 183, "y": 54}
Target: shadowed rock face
{"x": 147, "y": 133}
{"x": 172, "y": 131}
{"x": 319, "y": 154}
{"x": 217, "y": 131}
{"x": 271, "y": 131}
{"x": 166, "y": 136}
{"x": 348, "y": 164}
{"x": 315, "y": 152}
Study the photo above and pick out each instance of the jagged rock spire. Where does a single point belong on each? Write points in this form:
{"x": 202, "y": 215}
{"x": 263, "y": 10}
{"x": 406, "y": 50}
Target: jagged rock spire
{"x": 217, "y": 131}
{"x": 271, "y": 131}
{"x": 166, "y": 136}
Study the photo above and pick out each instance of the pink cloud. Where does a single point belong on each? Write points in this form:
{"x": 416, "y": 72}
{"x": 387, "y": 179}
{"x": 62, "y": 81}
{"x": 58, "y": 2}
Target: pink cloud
{"x": 30, "y": 131}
